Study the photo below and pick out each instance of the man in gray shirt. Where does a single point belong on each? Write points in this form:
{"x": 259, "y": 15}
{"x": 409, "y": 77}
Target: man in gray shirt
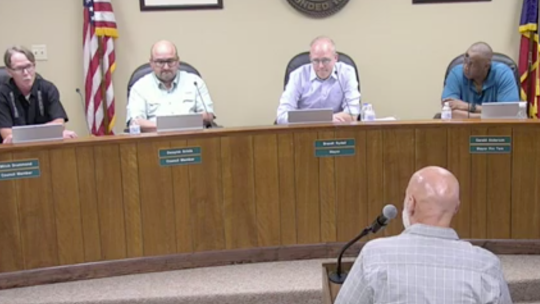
{"x": 427, "y": 263}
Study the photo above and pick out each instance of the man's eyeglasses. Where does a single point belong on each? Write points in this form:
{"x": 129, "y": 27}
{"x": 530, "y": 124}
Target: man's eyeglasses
{"x": 324, "y": 61}
{"x": 169, "y": 62}
{"x": 29, "y": 68}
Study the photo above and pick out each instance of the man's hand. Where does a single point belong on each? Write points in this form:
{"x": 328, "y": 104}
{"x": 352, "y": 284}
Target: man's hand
{"x": 343, "y": 117}
{"x": 8, "y": 139}
{"x": 208, "y": 117}
{"x": 456, "y": 104}
{"x": 69, "y": 134}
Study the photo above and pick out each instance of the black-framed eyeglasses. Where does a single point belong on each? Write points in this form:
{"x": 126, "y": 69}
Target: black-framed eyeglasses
{"x": 162, "y": 62}
{"x": 29, "y": 68}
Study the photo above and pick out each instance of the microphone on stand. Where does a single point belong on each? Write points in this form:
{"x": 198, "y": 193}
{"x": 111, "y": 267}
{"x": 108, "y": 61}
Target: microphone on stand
{"x": 343, "y": 93}
{"x": 389, "y": 212}
{"x": 202, "y": 100}
{"x": 84, "y": 110}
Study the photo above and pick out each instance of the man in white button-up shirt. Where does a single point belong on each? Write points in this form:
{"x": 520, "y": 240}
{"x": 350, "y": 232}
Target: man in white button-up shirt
{"x": 167, "y": 91}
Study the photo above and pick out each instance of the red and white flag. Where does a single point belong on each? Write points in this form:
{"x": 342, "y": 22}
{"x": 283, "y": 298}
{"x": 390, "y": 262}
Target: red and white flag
{"x": 99, "y": 32}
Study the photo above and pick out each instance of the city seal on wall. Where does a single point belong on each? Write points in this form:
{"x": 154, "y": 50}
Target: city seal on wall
{"x": 318, "y": 8}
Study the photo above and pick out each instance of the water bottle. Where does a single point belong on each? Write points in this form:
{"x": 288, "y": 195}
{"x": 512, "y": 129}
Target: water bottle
{"x": 522, "y": 114}
{"x": 369, "y": 114}
{"x": 446, "y": 112}
{"x": 363, "y": 110}
{"x": 134, "y": 127}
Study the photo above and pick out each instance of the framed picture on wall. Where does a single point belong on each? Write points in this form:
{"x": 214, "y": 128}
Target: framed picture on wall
{"x": 445, "y": 1}
{"x": 168, "y": 5}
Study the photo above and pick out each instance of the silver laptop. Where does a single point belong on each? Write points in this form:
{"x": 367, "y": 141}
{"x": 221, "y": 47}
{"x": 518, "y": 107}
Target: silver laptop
{"x": 310, "y": 116}
{"x": 501, "y": 110}
{"x": 184, "y": 122}
{"x": 36, "y": 133}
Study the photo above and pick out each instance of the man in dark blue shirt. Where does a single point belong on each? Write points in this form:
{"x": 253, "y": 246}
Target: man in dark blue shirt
{"x": 478, "y": 80}
{"x": 26, "y": 98}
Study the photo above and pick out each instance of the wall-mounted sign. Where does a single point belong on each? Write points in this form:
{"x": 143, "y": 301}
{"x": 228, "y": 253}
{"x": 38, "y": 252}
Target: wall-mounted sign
{"x": 19, "y": 169}
{"x": 318, "y": 8}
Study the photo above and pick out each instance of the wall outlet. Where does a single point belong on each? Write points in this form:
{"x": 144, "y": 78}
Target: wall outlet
{"x": 40, "y": 52}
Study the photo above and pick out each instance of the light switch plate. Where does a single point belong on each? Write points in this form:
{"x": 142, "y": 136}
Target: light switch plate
{"x": 40, "y": 52}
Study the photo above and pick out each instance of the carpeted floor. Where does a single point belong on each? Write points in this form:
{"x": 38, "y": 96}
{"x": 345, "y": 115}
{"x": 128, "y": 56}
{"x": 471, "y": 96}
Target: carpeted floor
{"x": 272, "y": 283}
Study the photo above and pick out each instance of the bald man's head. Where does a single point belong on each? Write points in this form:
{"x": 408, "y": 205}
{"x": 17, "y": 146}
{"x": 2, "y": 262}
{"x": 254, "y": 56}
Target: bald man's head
{"x": 432, "y": 197}
{"x": 477, "y": 61}
{"x": 323, "y": 56}
{"x": 164, "y": 61}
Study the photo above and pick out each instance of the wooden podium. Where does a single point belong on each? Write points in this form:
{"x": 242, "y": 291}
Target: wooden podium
{"x": 330, "y": 290}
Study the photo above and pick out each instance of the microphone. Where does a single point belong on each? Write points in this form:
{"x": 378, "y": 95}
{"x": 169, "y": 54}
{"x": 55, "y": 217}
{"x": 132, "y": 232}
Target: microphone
{"x": 84, "y": 109}
{"x": 343, "y": 92}
{"x": 200, "y": 96}
{"x": 389, "y": 212}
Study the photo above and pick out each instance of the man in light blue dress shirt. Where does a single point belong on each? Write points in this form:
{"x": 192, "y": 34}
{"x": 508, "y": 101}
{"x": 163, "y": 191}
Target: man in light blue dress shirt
{"x": 325, "y": 83}
{"x": 167, "y": 91}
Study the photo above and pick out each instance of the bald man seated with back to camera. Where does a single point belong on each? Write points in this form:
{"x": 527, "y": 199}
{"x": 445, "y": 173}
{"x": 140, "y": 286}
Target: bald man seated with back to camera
{"x": 427, "y": 263}
{"x": 478, "y": 80}
{"x": 325, "y": 83}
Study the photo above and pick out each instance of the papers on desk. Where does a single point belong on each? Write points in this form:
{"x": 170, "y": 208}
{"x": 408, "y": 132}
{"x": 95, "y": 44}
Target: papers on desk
{"x": 389, "y": 118}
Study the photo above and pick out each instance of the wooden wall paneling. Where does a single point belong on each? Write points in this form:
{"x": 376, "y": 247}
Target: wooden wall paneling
{"x": 459, "y": 163}
{"x": 36, "y": 214}
{"x": 89, "y": 204}
{"x": 327, "y": 192}
{"x": 399, "y": 164}
{"x": 308, "y": 214}
{"x": 238, "y": 192}
{"x": 65, "y": 188}
{"x": 267, "y": 190}
{"x": 206, "y": 207}
{"x": 11, "y": 256}
{"x": 351, "y": 187}
{"x": 287, "y": 188}
{"x": 132, "y": 199}
{"x": 110, "y": 201}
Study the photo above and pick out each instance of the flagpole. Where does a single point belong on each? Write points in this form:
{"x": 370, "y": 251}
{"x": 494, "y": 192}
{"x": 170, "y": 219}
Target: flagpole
{"x": 103, "y": 87}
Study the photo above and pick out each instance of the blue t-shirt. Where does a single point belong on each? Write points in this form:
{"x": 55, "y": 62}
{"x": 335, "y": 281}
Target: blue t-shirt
{"x": 500, "y": 85}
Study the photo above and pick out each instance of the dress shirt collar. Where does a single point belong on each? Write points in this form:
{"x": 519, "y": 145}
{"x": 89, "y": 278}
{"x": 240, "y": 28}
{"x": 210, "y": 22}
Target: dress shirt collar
{"x": 432, "y": 231}
{"x": 313, "y": 75}
{"x": 161, "y": 86}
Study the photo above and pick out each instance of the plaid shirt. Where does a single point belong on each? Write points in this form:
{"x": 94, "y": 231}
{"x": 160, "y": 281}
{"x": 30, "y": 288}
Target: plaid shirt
{"x": 424, "y": 264}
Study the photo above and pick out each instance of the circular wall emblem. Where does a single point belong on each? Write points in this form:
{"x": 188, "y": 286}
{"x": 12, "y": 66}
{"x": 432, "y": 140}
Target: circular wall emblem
{"x": 318, "y": 8}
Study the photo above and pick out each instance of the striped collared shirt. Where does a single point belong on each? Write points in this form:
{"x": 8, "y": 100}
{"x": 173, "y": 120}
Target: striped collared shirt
{"x": 424, "y": 264}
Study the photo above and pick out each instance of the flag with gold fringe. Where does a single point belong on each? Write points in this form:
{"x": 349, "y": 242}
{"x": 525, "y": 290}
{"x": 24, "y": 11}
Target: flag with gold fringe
{"x": 528, "y": 56}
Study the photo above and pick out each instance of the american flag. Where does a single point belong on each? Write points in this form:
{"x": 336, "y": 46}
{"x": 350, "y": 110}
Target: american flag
{"x": 99, "y": 32}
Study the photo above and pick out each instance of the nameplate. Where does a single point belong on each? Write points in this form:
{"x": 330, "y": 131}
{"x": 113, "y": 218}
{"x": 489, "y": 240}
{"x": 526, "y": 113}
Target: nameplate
{"x": 490, "y": 144}
{"x": 19, "y": 169}
{"x": 180, "y": 156}
{"x": 335, "y": 147}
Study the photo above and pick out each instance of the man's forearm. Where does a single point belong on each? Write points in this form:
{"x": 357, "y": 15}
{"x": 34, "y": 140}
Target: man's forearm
{"x": 146, "y": 125}
{"x": 464, "y": 114}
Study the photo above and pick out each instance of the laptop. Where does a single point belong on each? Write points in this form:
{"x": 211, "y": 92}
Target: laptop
{"x": 502, "y": 110}
{"x": 182, "y": 122}
{"x": 37, "y": 133}
{"x": 310, "y": 116}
